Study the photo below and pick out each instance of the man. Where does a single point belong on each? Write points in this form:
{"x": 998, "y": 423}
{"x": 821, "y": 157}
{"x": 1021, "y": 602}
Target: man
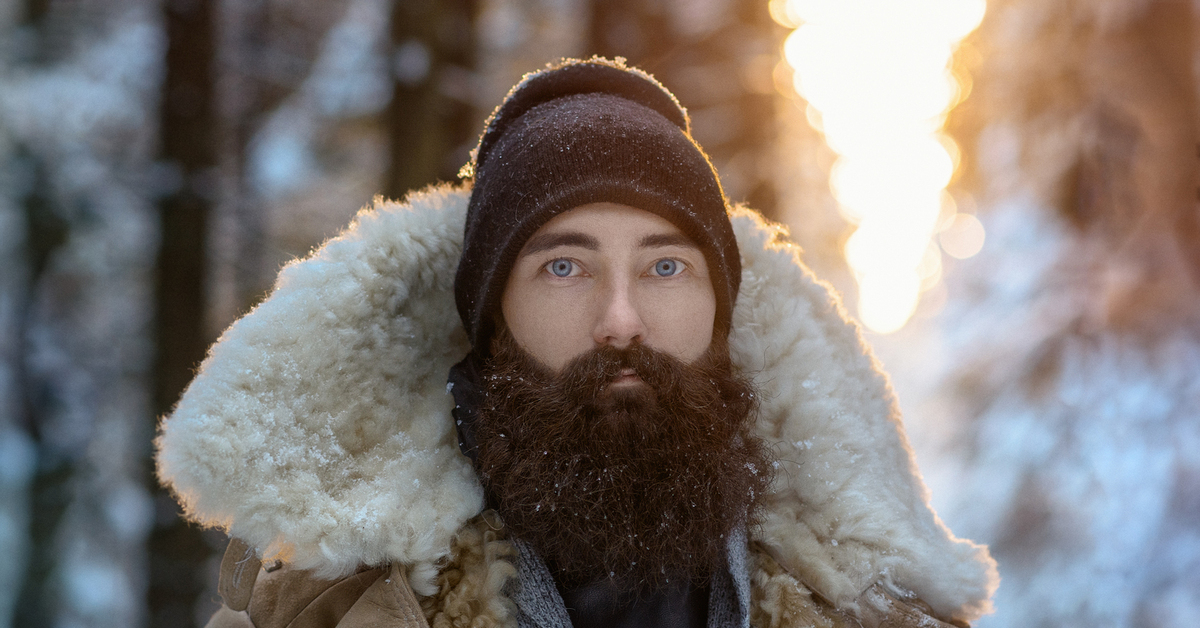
{"x": 625, "y": 447}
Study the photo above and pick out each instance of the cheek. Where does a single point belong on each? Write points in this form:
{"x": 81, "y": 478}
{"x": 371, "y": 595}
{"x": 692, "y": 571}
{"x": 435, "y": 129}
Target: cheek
{"x": 681, "y": 323}
{"x": 551, "y": 328}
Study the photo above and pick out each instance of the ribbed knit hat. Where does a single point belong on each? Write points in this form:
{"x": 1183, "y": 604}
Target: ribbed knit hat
{"x": 584, "y": 132}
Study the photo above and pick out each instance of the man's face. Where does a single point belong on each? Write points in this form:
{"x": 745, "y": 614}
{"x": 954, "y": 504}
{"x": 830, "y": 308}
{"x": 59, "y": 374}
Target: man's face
{"x": 609, "y": 274}
{"x": 614, "y": 436}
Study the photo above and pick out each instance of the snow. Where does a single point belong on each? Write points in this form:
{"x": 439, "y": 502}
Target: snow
{"x": 95, "y": 588}
{"x": 350, "y": 77}
{"x": 17, "y": 459}
{"x": 18, "y": 456}
{"x": 129, "y": 510}
{"x": 1069, "y": 449}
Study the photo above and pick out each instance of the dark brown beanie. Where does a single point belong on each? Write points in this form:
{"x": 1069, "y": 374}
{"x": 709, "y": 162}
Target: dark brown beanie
{"x": 576, "y": 133}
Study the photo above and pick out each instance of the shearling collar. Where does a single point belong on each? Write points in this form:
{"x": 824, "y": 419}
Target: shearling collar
{"x": 318, "y": 429}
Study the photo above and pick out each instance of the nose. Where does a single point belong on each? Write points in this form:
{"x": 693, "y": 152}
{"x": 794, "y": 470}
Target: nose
{"x": 620, "y": 323}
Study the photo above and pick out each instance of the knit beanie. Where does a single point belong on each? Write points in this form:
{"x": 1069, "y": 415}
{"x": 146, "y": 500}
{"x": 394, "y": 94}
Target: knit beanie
{"x": 584, "y": 132}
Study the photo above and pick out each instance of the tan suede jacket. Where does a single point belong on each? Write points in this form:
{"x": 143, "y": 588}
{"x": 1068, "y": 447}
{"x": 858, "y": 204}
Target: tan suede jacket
{"x": 274, "y": 596}
{"x": 277, "y": 596}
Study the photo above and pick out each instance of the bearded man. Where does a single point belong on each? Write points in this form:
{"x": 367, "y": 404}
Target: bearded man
{"x": 625, "y": 447}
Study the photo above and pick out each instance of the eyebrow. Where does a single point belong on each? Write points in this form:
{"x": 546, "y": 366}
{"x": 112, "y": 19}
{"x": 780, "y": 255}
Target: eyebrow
{"x": 667, "y": 239}
{"x": 551, "y": 240}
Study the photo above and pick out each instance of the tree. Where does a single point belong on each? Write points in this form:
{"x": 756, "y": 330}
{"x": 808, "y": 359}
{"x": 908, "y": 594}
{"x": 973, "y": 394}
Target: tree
{"x": 1067, "y": 432}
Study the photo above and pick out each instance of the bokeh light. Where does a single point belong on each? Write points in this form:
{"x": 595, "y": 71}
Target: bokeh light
{"x": 876, "y": 76}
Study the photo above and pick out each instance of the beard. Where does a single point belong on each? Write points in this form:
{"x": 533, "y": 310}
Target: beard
{"x": 640, "y": 484}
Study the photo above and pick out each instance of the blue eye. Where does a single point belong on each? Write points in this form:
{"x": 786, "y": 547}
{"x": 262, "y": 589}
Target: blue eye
{"x": 561, "y": 267}
{"x": 666, "y": 267}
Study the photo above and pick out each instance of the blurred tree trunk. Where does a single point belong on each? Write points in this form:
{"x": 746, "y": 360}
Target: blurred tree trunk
{"x": 189, "y": 159}
{"x": 718, "y": 57}
{"x": 431, "y": 118}
{"x": 249, "y": 82}
{"x": 78, "y": 117}
{"x": 18, "y": 453}
{"x": 17, "y": 450}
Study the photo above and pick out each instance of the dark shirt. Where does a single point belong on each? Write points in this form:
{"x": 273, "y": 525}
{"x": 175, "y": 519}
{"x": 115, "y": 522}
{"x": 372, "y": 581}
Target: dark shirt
{"x": 601, "y": 605}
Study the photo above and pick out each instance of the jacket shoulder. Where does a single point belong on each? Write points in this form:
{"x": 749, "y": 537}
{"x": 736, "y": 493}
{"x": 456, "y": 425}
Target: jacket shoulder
{"x": 280, "y": 596}
{"x": 337, "y": 380}
{"x": 779, "y": 600}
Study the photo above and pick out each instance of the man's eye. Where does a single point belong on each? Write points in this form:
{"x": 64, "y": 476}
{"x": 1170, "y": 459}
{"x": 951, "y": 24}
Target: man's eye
{"x": 561, "y": 267}
{"x": 667, "y": 267}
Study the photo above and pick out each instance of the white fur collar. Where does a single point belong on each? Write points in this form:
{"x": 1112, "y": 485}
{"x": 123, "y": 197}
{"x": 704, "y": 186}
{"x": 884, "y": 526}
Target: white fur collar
{"x": 318, "y": 429}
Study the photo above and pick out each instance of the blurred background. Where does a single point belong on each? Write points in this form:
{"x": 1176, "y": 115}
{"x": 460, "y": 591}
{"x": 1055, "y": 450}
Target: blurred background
{"x": 1005, "y": 194}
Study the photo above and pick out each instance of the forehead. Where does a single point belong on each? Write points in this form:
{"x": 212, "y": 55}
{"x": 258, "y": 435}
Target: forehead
{"x": 611, "y": 223}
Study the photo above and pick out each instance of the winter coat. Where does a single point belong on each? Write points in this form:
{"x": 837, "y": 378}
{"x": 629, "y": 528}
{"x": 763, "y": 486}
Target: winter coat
{"x": 318, "y": 432}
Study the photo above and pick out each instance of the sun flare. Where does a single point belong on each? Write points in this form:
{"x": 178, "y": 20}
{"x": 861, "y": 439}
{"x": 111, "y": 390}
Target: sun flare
{"x": 876, "y": 76}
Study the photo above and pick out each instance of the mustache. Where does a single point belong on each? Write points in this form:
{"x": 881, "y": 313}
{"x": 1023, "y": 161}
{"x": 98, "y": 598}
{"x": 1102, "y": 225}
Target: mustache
{"x": 600, "y": 365}
{"x": 590, "y": 375}
{"x": 587, "y": 377}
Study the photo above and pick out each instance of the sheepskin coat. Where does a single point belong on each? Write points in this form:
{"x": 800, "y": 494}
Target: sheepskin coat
{"x": 318, "y": 430}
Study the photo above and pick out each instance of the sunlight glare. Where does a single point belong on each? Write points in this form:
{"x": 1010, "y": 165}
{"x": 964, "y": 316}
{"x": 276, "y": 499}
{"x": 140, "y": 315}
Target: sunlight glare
{"x": 876, "y": 75}
{"x": 963, "y": 237}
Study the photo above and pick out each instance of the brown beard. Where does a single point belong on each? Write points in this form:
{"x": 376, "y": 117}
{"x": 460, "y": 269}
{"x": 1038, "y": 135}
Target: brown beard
{"x": 640, "y": 484}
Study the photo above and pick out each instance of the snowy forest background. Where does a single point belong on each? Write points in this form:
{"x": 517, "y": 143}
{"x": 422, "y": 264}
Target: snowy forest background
{"x": 159, "y": 161}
